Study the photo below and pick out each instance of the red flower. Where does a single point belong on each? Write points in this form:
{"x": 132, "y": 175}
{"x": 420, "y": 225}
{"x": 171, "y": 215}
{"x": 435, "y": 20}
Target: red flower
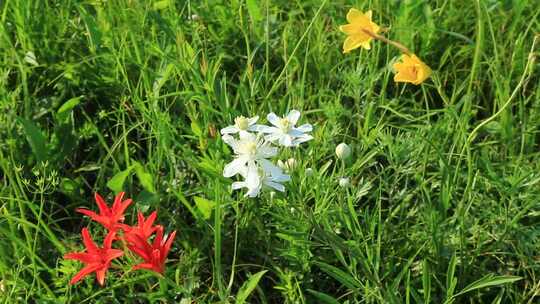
{"x": 155, "y": 254}
{"x": 96, "y": 259}
{"x": 110, "y": 218}
{"x": 144, "y": 228}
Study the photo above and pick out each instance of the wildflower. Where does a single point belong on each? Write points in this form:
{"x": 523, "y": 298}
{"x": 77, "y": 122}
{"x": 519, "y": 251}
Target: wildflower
{"x": 284, "y": 130}
{"x": 155, "y": 254}
{"x": 309, "y": 172}
{"x": 256, "y": 179}
{"x": 251, "y": 151}
{"x": 411, "y": 69}
{"x": 242, "y": 125}
{"x": 110, "y": 218}
{"x": 144, "y": 228}
{"x": 360, "y": 30}
{"x": 343, "y": 151}
{"x": 96, "y": 259}
{"x": 344, "y": 182}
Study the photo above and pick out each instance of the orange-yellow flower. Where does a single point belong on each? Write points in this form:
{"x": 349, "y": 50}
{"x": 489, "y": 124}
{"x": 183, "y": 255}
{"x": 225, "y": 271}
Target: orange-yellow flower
{"x": 411, "y": 69}
{"x": 358, "y": 30}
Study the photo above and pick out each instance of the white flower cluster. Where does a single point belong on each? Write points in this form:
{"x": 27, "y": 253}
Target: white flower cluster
{"x": 254, "y": 146}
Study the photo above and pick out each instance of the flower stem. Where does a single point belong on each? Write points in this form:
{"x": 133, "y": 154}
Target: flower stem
{"x": 393, "y": 43}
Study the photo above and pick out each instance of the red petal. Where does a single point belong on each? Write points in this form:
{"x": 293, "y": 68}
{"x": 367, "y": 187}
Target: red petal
{"x": 140, "y": 252}
{"x": 167, "y": 246}
{"x": 112, "y": 254}
{"x": 81, "y": 256}
{"x": 159, "y": 237}
{"x": 90, "y": 214}
{"x": 84, "y": 272}
{"x": 100, "y": 275}
{"x": 103, "y": 208}
{"x": 144, "y": 266}
{"x": 117, "y": 200}
{"x": 150, "y": 221}
{"x": 88, "y": 242}
{"x": 109, "y": 239}
{"x": 119, "y": 212}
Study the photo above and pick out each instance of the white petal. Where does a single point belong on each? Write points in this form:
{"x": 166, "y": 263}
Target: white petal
{"x": 253, "y": 180}
{"x": 267, "y": 129}
{"x": 269, "y": 168}
{"x": 244, "y": 134}
{"x": 280, "y": 178}
{"x": 293, "y": 116}
{"x": 229, "y": 130}
{"x": 229, "y": 140}
{"x": 267, "y": 151}
{"x": 259, "y": 128}
{"x": 273, "y": 119}
{"x": 273, "y": 137}
{"x": 295, "y": 133}
{"x": 238, "y": 185}
{"x": 286, "y": 140}
{"x": 302, "y": 139}
{"x": 277, "y": 186}
{"x": 234, "y": 167}
{"x": 252, "y": 120}
{"x": 305, "y": 128}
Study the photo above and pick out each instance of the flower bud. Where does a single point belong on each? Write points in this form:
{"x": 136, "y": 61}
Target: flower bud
{"x": 344, "y": 182}
{"x": 343, "y": 151}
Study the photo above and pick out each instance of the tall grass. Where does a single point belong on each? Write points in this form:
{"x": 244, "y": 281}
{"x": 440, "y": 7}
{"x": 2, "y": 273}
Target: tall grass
{"x": 444, "y": 206}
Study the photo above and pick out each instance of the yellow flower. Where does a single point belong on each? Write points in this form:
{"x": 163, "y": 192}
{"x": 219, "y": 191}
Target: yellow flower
{"x": 411, "y": 69}
{"x": 359, "y": 24}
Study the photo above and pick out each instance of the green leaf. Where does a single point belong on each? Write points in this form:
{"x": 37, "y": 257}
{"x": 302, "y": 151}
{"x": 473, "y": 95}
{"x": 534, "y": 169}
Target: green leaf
{"x": 145, "y": 178}
{"x": 159, "y": 5}
{"x": 36, "y": 139}
{"x": 324, "y": 298}
{"x": 116, "y": 183}
{"x": 63, "y": 112}
{"x": 248, "y": 287}
{"x": 340, "y": 275}
{"x": 487, "y": 281}
{"x": 196, "y": 129}
{"x": 254, "y": 10}
{"x": 205, "y": 206}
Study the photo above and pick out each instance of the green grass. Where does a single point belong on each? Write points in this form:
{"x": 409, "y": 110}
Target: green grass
{"x": 444, "y": 205}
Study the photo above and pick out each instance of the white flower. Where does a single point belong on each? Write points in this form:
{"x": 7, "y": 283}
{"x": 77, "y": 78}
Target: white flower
{"x": 284, "y": 130}
{"x": 242, "y": 125}
{"x": 256, "y": 178}
{"x": 309, "y": 172}
{"x": 343, "y": 151}
{"x": 344, "y": 182}
{"x": 251, "y": 152}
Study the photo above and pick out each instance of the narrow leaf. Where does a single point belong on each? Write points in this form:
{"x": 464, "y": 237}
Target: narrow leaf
{"x": 487, "y": 281}
{"x": 205, "y": 206}
{"x": 340, "y": 275}
{"x": 116, "y": 183}
{"x": 145, "y": 178}
{"x": 248, "y": 287}
{"x": 36, "y": 139}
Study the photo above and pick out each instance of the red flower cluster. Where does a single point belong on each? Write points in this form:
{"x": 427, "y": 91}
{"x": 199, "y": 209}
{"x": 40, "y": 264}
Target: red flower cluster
{"x": 98, "y": 260}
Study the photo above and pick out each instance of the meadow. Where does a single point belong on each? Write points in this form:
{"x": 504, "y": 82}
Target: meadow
{"x": 438, "y": 201}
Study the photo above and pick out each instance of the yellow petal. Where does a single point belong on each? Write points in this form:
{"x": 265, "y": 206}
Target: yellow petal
{"x": 368, "y": 14}
{"x": 349, "y": 29}
{"x": 354, "y": 15}
{"x": 366, "y": 44}
{"x": 351, "y": 43}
